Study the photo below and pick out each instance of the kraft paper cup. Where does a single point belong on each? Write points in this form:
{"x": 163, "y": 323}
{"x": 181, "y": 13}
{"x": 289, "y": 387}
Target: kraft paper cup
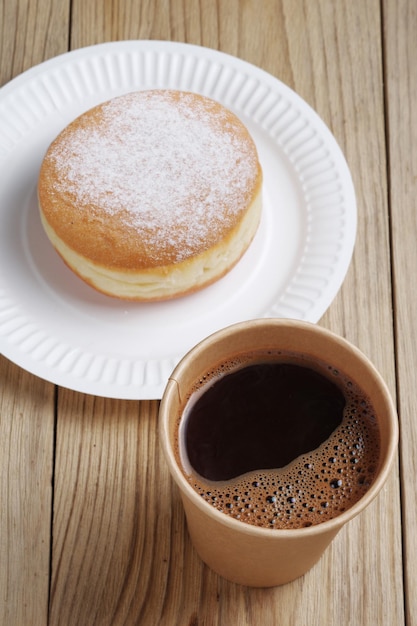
{"x": 240, "y": 552}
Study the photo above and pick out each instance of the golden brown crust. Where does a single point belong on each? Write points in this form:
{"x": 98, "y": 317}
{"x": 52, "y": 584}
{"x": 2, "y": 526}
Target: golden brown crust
{"x": 148, "y": 181}
{"x": 169, "y": 281}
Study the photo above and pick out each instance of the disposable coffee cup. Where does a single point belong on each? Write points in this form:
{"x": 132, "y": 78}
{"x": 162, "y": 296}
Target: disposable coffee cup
{"x": 240, "y": 552}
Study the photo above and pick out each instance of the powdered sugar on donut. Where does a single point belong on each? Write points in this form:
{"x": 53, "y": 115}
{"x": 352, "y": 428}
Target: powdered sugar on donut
{"x": 176, "y": 169}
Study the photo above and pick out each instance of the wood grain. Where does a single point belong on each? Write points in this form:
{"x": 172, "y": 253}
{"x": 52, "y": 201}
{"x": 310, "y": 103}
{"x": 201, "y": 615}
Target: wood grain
{"x": 114, "y": 549}
{"x": 30, "y": 32}
{"x": 112, "y": 504}
{"x": 400, "y": 24}
{"x": 26, "y": 466}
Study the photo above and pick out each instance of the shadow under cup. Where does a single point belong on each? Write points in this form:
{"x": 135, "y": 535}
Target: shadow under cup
{"x": 240, "y": 552}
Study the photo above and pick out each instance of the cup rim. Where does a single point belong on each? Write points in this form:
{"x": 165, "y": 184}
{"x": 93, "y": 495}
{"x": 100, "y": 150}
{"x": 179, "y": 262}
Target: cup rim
{"x": 332, "y": 524}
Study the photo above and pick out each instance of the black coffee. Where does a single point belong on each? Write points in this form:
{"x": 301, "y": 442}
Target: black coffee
{"x": 279, "y": 442}
{"x": 262, "y": 416}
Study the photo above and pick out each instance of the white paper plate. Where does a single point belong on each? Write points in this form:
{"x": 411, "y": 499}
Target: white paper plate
{"x": 58, "y": 328}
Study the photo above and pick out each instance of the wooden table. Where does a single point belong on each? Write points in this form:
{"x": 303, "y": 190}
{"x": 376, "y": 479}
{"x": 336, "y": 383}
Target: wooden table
{"x": 91, "y": 528}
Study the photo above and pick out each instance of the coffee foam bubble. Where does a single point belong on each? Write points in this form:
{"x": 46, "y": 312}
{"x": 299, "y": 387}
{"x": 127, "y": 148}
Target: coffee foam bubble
{"x": 316, "y": 486}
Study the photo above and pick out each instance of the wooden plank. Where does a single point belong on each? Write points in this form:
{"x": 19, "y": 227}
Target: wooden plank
{"x": 121, "y": 551}
{"x": 26, "y": 462}
{"x": 112, "y": 511}
{"x": 30, "y": 32}
{"x": 400, "y": 27}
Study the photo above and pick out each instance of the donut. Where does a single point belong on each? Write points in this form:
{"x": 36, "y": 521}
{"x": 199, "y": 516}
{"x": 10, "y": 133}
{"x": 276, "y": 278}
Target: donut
{"x": 151, "y": 195}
